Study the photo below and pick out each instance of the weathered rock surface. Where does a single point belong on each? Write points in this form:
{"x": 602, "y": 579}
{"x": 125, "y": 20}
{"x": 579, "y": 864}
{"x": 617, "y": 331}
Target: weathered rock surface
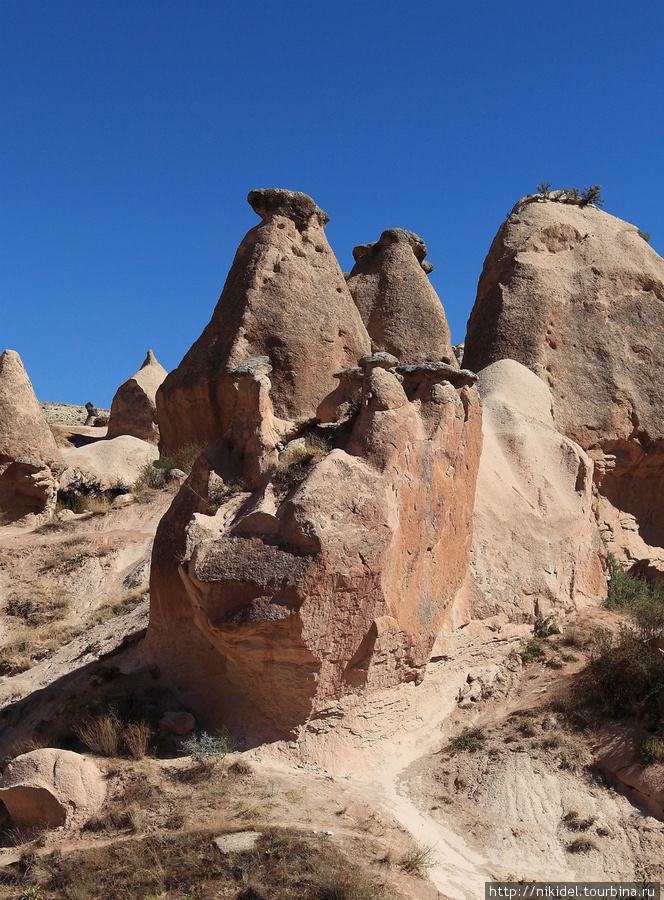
{"x": 29, "y": 456}
{"x": 332, "y": 573}
{"x": 285, "y": 298}
{"x": 52, "y": 787}
{"x": 536, "y": 546}
{"x": 134, "y": 409}
{"x": 398, "y": 305}
{"x": 577, "y": 296}
{"x": 105, "y": 464}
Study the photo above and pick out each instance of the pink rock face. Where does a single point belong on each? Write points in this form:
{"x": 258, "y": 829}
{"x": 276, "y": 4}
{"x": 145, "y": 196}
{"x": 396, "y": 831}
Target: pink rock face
{"x": 286, "y": 298}
{"x": 134, "y": 408}
{"x": 398, "y": 305}
{"x": 536, "y": 545}
{"x": 29, "y": 455}
{"x": 332, "y": 574}
{"x": 577, "y": 296}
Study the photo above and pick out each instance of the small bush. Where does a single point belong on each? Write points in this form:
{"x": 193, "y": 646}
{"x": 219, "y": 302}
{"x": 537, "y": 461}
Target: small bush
{"x": 136, "y": 737}
{"x": 646, "y": 235}
{"x": 581, "y": 845}
{"x": 641, "y": 599}
{"x": 183, "y": 458}
{"x": 469, "y": 741}
{"x": 592, "y": 195}
{"x": 543, "y": 190}
{"x": 648, "y": 750}
{"x": 545, "y": 627}
{"x": 101, "y": 735}
{"x": 296, "y": 462}
{"x": 220, "y": 493}
{"x": 531, "y": 650}
{"x": 417, "y": 861}
{"x": 573, "y": 821}
{"x": 206, "y": 747}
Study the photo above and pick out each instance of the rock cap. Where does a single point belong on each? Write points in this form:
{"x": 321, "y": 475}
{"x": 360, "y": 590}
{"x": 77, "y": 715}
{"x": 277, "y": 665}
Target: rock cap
{"x": 295, "y": 205}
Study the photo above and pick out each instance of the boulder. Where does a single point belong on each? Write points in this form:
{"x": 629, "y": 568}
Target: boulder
{"x": 285, "y": 298}
{"x": 52, "y": 787}
{"x": 29, "y": 457}
{"x": 577, "y": 296}
{"x": 398, "y": 305}
{"x": 536, "y": 545}
{"x": 134, "y": 408}
{"x": 275, "y": 602}
{"x": 105, "y": 464}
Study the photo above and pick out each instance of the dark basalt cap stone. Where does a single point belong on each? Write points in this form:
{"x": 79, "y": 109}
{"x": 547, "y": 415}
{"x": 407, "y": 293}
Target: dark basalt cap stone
{"x": 381, "y": 359}
{"x": 294, "y": 205}
{"x": 257, "y": 365}
{"x": 355, "y": 372}
{"x": 392, "y": 236}
{"x": 458, "y": 377}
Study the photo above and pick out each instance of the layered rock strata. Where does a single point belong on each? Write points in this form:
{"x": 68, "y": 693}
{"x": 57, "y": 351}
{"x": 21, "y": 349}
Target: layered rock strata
{"x": 328, "y": 566}
{"x": 285, "y": 297}
{"x": 398, "y": 305}
{"x": 577, "y": 296}
{"x": 536, "y": 545}
{"x": 134, "y": 408}
{"x": 29, "y": 457}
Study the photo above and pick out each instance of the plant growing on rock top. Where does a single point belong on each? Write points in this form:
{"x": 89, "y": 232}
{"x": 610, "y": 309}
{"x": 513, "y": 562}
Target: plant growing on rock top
{"x": 592, "y": 195}
{"x": 543, "y": 190}
{"x": 646, "y": 235}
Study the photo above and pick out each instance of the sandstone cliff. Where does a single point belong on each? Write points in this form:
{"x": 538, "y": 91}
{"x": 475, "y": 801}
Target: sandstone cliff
{"x": 577, "y": 296}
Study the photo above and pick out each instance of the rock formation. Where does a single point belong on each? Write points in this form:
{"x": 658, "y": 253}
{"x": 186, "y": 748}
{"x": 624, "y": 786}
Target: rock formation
{"x": 105, "y": 464}
{"x": 28, "y": 453}
{"x": 52, "y": 787}
{"x": 134, "y": 409}
{"x": 577, "y": 296}
{"x": 536, "y": 546}
{"x": 286, "y": 583}
{"x": 398, "y": 305}
{"x": 285, "y": 298}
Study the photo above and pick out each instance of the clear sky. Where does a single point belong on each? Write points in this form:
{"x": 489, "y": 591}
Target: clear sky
{"x": 132, "y": 131}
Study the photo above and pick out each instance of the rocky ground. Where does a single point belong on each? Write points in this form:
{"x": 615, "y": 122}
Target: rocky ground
{"x": 67, "y": 413}
{"x": 390, "y": 787}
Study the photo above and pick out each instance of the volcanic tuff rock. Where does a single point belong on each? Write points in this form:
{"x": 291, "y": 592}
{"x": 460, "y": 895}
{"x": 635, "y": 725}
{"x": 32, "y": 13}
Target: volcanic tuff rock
{"x": 286, "y": 298}
{"x": 398, "y": 305}
{"x": 536, "y": 546}
{"x": 28, "y": 452}
{"x": 52, "y": 787}
{"x": 577, "y": 296}
{"x": 330, "y": 575}
{"x": 134, "y": 410}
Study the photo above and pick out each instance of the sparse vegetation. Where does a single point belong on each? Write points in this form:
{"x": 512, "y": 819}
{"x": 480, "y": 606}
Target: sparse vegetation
{"x": 646, "y": 235}
{"x": 543, "y": 190}
{"x": 581, "y": 845}
{"x": 285, "y": 865}
{"x": 417, "y": 861}
{"x": 296, "y": 460}
{"x": 469, "y": 741}
{"x": 643, "y": 600}
{"x": 206, "y": 747}
{"x": 110, "y": 735}
{"x": 648, "y": 750}
{"x": 592, "y": 195}
{"x": 223, "y": 492}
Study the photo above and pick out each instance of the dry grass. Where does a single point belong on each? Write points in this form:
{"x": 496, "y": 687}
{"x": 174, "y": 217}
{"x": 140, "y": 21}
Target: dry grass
{"x": 74, "y": 551}
{"x": 32, "y": 645}
{"x": 285, "y": 865}
{"x": 39, "y": 602}
{"x": 109, "y": 735}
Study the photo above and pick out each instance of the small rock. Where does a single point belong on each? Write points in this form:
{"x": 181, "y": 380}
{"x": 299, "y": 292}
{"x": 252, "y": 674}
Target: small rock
{"x": 177, "y": 722}
{"x": 175, "y": 475}
{"x": 239, "y": 842}
{"x": 122, "y": 500}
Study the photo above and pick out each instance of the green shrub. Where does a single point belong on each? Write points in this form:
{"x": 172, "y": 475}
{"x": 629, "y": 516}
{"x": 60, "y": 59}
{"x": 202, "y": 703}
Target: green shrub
{"x": 222, "y": 492}
{"x": 469, "y": 741}
{"x": 624, "y": 677}
{"x": 207, "y": 746}
{"x": 648, "y": 750}
{"x": 545, "y": 627}
{"x": 592, "y": 195}
{"x": 646, "y": 235}
{"x": 182, "y": 458}
{"x": 543, "y": 190}
{"x": 641, "y": 599}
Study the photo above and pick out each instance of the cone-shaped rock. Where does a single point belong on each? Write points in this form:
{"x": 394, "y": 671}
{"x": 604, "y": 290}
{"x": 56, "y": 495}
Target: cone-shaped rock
{"x": 134, "y": 408}
{"x": 398, "y": 305}
{"x": 28, "y": 450}
{"x": 577, "y": 296}
{"x": 285, "y": 298}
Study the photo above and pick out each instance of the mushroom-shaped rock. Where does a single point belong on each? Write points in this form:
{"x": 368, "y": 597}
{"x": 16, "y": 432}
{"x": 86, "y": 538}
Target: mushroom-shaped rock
{"x": 577, "y": 296}
{"x": 134, "y": 409}
{"x": 24, "y": 435}
{"x": 398, "y": 305}
{"x": 285, "y": 298}
{"x": 52, "y": 787}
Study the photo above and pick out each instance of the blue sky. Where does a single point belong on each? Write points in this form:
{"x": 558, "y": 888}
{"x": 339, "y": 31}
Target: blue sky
{"x": 131, "y": 133}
